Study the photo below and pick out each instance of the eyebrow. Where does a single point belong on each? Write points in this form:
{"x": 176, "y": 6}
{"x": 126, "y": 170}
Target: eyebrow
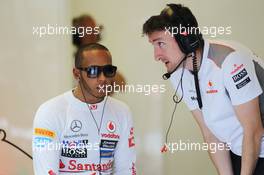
{"x": 156, "y": 39}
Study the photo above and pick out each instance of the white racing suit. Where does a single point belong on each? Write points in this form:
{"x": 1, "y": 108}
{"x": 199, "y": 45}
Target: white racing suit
{"x": 66, "y": 139}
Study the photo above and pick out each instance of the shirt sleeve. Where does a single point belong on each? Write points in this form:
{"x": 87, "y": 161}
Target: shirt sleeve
{"x": 240, "y": 79}
{"x": 186, "y": 90}
{"x": 45, "y": 143}
{"x": 125, "y": 154}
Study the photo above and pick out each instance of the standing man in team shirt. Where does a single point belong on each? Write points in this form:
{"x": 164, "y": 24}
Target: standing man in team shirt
{"x": 220, "y": 82}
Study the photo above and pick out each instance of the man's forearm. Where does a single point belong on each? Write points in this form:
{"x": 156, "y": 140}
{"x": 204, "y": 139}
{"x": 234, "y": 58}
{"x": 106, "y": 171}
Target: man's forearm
{"x": 222, "y": 162}
{"x": 221, "y": 159}
{"x": 248, "y": 115}
{"x": 250, "y": 152}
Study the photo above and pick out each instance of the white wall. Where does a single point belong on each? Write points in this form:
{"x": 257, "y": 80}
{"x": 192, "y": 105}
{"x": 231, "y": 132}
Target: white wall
{"x": 32, "y": 70}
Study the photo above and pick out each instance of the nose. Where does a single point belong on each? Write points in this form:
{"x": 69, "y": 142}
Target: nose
{"x": 101, "y": 77}
{"x": 157, "y": 54}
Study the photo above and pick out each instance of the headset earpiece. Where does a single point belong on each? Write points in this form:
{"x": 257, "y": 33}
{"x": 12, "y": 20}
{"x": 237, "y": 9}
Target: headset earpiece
{"x": 188, "y": 40}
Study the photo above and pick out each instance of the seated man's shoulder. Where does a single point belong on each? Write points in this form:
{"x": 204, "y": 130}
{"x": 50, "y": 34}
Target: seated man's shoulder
{"x": 54, "y": 105}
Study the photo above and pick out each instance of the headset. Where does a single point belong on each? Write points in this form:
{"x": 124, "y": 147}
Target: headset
{"x": 188, "y": 42}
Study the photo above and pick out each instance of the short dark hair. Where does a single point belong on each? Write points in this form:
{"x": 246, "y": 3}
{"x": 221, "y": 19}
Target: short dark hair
{"x": 172, "y": 15}
{"x": 86, "y": 47}
{"x": 80, "y": 22}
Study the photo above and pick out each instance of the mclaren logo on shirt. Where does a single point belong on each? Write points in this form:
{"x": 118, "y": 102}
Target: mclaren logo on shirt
{"x": 76, "y": 125}
{"x": 75, "y": 149}
{"x": 211, "y": 88}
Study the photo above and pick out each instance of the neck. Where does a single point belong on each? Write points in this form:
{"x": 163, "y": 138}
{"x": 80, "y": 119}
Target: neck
{"x": 86, "y": 97}
{"x": 189, "y": 62}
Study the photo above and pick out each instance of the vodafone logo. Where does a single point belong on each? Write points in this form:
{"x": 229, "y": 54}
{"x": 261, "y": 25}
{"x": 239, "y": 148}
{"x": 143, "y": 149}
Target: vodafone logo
{"x": 110, "y": 135}
{"x": 111, "y": 127}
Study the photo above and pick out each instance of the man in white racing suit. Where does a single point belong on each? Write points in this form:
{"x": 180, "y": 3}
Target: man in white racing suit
{"x": 84, "y": 131}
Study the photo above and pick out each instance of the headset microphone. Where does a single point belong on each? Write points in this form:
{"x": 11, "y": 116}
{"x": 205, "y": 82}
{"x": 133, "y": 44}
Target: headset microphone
{"x": 167, "y": 75}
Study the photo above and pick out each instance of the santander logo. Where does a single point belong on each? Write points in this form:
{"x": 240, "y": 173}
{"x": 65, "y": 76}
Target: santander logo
{"x": 111, "y": 127}
{"x": 51, "y": 172}
{"x": 62, "y": 165}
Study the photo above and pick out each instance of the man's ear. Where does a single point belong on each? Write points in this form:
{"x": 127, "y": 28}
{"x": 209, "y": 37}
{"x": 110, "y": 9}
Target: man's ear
{"x": 76, "y": 73}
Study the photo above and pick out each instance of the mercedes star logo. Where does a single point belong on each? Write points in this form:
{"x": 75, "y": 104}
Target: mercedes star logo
{"x": 76, "y": 125}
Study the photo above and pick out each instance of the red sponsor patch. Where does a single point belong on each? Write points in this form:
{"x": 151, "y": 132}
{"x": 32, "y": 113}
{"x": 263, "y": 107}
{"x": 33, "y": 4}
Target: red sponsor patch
{"x": 131, "y": 139}
{"x": 131, "y": 142}
{"x": 211, "y": 91}
{"x": 51, "y": 172}
{"x": 111, "y": 127}
{"x": 236, "y": 68}
{"x": 134, "y": 169}
{"x": 164, "y": 149}
{"x": 93, "y": 107}
{"x": 131, "y": 131}
{"x": 110, "y": 135}
{"x": 62, "y": 165}
{"x": 75, "y": 166}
